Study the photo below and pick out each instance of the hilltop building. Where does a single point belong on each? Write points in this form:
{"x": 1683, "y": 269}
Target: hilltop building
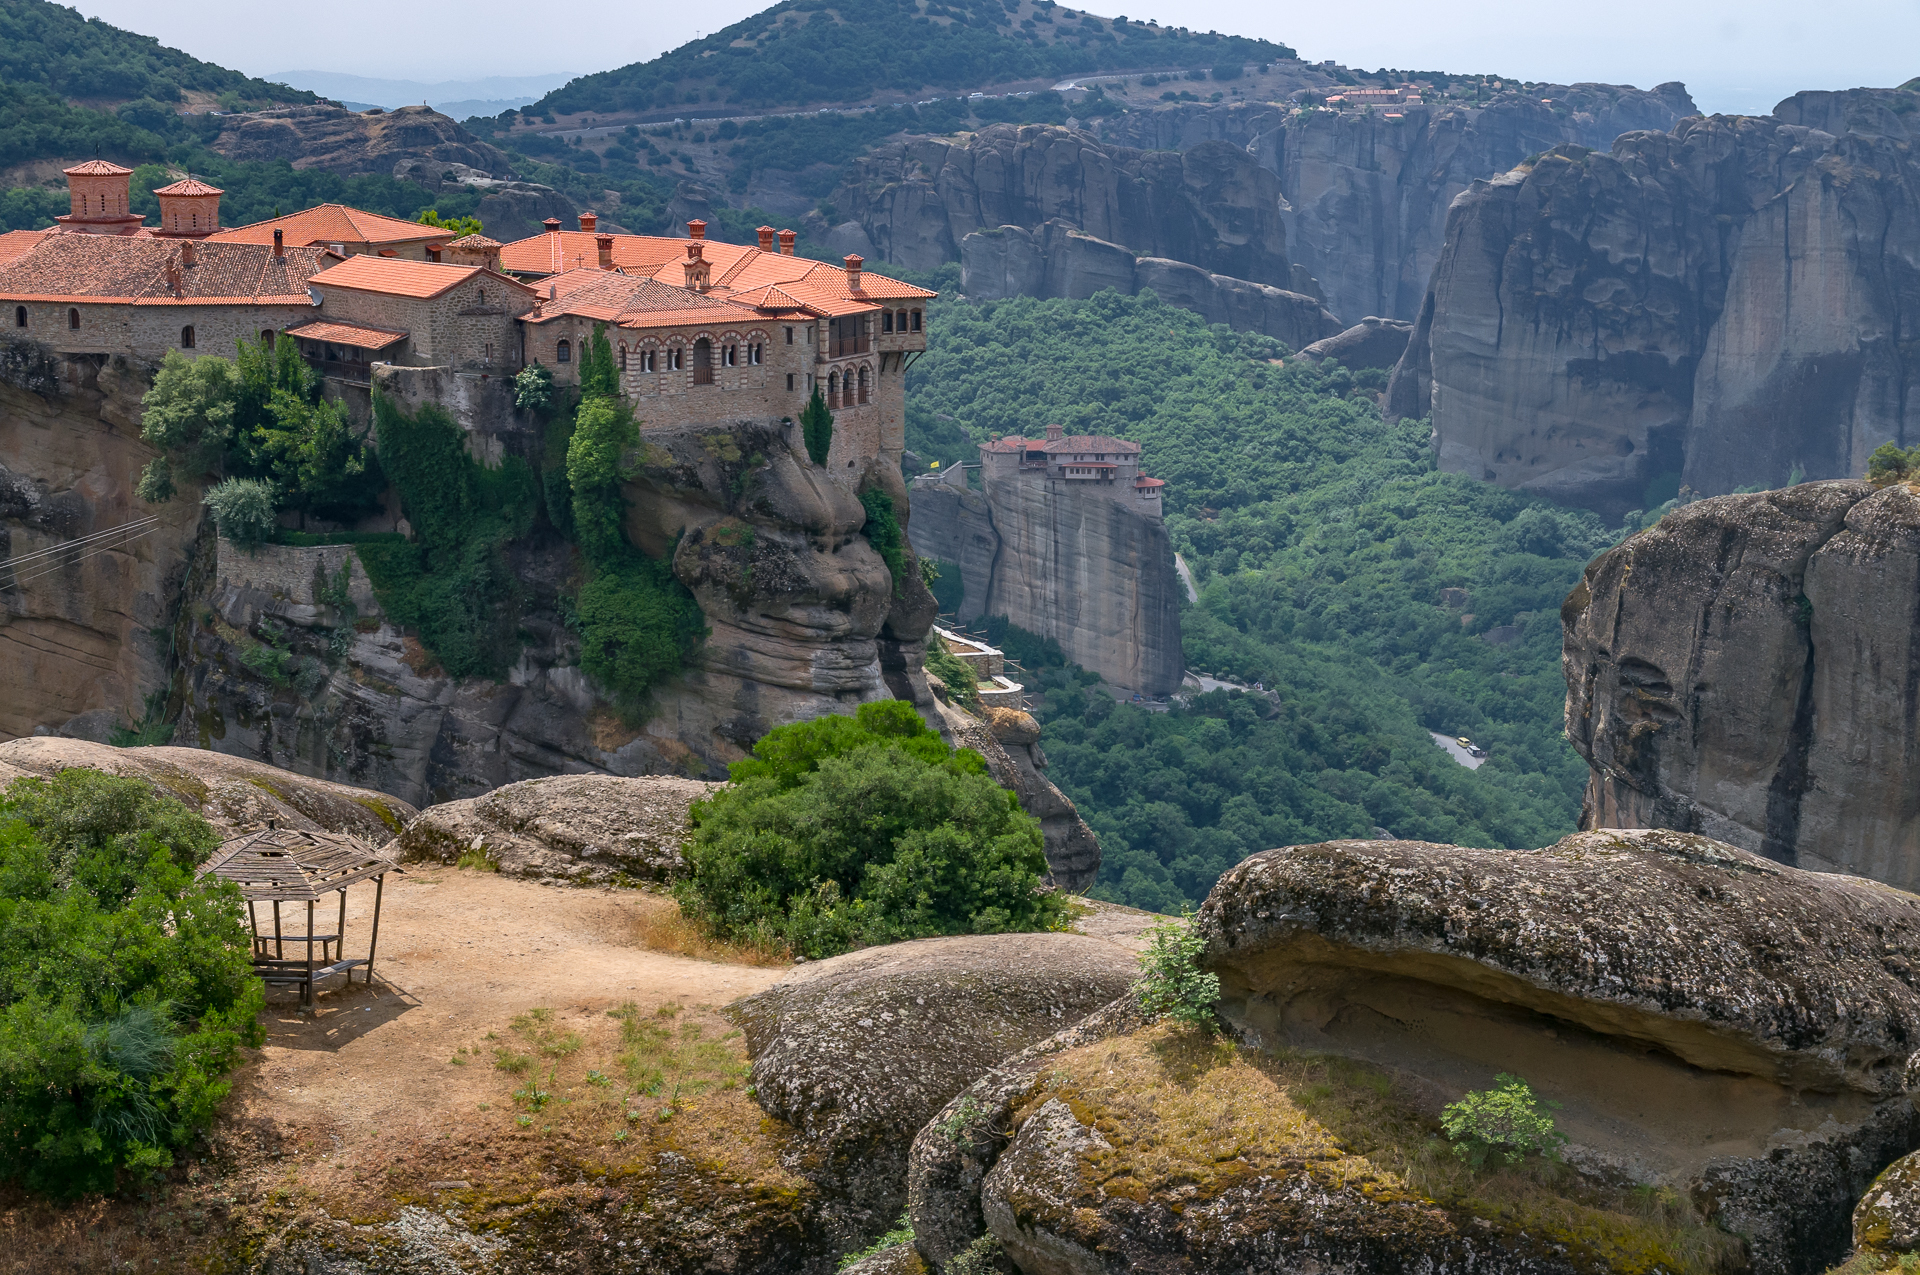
{"x": 1110, "y": 466}
{"x": 703, "y": 332}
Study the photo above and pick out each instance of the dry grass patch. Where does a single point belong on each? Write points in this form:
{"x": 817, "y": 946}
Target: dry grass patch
{"x": 1185, "y": 1110}
{"x": 662, "y": 928}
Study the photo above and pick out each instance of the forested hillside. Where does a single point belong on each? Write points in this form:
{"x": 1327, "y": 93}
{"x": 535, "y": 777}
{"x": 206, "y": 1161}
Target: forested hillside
{"x": 53, "y": 46}
{"x": 1321, "y": 538}
{"x": 803, "y": 51}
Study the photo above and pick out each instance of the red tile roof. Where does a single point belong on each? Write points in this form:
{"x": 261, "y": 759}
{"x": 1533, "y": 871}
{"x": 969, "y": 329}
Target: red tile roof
{"x": 393, "y": 277}
{"x": 739, "y": 272}
{"x": 474, "y": 241}
{"x": 146, "y": 271}
{"x": 333, "y": 223}
{"x": 189, "y": 186}
{"x": 97, "y": 168}
{"x": 1072, "y": 443}
{"x": 355, "y": 334}
{"x": 607, "y": 296}
{"x": 15, "y": 242}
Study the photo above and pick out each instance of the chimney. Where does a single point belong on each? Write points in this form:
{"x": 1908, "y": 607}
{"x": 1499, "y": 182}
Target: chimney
{"x": 186, "y": 253}
{"x": 279, "y": 242}
{"x": 696, "y": 229}
{"x": 1055, "y": 433}
{"x": 173, "y": 276}
{"x": 786, "y": 242}
{"x": 588, "y": 221}
{"x": 604, "y": 245}
{"x": 766, "y": 238}
{"x": 552, "y": 224}
{"x": 854, "y": 262}
{"x": 698, "y": 269}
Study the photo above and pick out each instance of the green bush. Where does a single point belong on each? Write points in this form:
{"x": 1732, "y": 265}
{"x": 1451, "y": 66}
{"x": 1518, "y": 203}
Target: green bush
{"x": 846, "y": 831}
{"x": 1890, "y": 464}
{"x": 882, "y": 531}
{"x": 1172, "y": 984}
{"x": 126, "y": 988}
{"x": 242, "y": 508}
{"x": 1504, "y": 1124}
{"x": 451, "y": 583}
{"x": 962, "y": 684}
{"x": 816, "y": 428}
{"x": 533, "y": 388}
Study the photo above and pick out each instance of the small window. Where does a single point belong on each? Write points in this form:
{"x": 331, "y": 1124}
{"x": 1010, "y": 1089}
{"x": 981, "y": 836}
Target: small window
{"x": 19, "y": 316}
{"x": 916, "y": 320}
{"x": 676, "y": 361}
{"x": 646, "y": 360}
{"x": 886, "y": 321}
{"x": 186, "y": 337}
{"x": 563, "y": 353}
{"x": 863, "y": 385}
{"x": 483, "y": 296}
{"x": 789, "y": 336}
{"x": 789, "y": 382}
{"x": 753, "y": 352}
{"x": 73, "y": 320}
{"x": 833, "y": 389}
{"x": 267, "y": 337}
{"x": 623, "y": 356}
{"x": 196, "y": 221}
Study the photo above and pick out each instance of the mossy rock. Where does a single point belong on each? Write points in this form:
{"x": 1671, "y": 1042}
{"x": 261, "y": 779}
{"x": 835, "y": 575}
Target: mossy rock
{"x": 1887, "y": 1219}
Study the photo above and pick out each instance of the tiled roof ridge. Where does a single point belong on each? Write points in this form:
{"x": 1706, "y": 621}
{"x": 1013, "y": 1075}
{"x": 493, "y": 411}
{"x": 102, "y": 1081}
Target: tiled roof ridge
{"x": 188, "y": 186}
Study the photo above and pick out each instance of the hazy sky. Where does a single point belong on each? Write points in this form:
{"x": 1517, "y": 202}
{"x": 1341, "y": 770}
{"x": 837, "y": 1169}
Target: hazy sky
{"x": 1736, "y": 55}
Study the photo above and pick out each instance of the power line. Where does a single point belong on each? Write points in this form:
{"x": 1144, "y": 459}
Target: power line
{"x": 53, "y": 561}
{"x": 69, "y": 545}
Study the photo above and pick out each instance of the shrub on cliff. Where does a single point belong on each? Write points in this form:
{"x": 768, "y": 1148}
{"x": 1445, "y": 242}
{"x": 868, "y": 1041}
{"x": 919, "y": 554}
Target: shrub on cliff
{"x": 847, "y": 831}
{"x": 242, "y": 509}
{"x": 126, "y": 989}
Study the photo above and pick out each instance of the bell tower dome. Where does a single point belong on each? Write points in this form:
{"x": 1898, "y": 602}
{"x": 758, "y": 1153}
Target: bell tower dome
{"x": 99, "y": 194}
{"x": 189, "y": 209}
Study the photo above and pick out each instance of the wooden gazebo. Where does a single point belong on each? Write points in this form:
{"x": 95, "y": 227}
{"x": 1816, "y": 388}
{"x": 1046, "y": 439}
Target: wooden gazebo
{"x": 281, "y": 865}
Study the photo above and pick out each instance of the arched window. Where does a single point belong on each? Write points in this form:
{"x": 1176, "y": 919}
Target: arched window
{"x": 73, "y": 320}
{"x": 863, "y": 385}
{"x": 703, "y": 362}
{"x": 483, "y": 296}
{"x": 833, "y": 389}
{"x": 623, "y": 356}
{"x": 563, "y": 353}
{"x": 186, "y": 337}
{"x": 267, "y": 337}
{"x": 19, "y": 316}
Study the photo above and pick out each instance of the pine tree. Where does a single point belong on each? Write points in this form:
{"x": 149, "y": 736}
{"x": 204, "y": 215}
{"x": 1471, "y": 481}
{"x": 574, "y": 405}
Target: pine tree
{"x": 598, "y": 376}
{"x": 816, "y": 428}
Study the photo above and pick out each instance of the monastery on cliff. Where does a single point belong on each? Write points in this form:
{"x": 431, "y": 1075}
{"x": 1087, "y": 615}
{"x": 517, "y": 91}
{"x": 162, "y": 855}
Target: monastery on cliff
{"x": 702, "y": 331}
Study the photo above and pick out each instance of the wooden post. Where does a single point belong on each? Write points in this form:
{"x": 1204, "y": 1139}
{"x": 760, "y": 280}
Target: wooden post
{"x": 309, "y": 951}
{"x": 279, "y": 949}
{"x": 253, "y": 923}
{"x": 379, "y": 884}
{"x": 340, "y": 933}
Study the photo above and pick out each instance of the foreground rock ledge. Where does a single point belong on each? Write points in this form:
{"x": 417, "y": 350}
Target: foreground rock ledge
{"x": 1708, "y": 1019}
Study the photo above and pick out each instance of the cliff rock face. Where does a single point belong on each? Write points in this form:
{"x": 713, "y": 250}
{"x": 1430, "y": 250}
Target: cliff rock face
{"x": 1367, "y": 196}
{"x": 354, "y": 142}
{"x": 1212, "y": 206}
{"x": 1707, "y": 1019}
{"x": 1720, "y": 304}
{"x": 1009, "y": 741}
{"x": 1074, "y": 565}
{"x": 1056, "y": 260}
{"x": 1743, "y": 670}
{"x": 84, "y": 638}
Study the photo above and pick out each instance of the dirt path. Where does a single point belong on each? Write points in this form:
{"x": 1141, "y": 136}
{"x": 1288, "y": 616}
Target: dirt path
{"x": 460, "y": 955}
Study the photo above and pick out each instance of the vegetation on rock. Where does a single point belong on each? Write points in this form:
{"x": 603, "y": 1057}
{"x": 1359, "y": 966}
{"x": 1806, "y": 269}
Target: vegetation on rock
{"x": 882, "y": 530}
{"x": 637, "y": 622}
{"x": 1172, "y": 984}
{"x": 816, "y": 428}
{"x": 962, "y": 684}
{"x": 1890, "y": 464}
{"x": 1504, "y": 1124}
{"x": 1321, "y": 537}
{"x": 242, "y": 509}
{"x": 847, "y": 831}
{"x": 126, "y": 989}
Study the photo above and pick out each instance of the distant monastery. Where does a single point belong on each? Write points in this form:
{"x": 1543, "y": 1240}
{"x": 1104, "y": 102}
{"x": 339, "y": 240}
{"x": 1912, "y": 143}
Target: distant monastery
{"x": 702, "y": 331}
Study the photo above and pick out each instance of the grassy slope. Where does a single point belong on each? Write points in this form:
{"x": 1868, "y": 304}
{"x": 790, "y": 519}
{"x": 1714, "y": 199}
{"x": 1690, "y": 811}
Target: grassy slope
{"x": 802, "y": 51}
{"x": 1321, "y": 537}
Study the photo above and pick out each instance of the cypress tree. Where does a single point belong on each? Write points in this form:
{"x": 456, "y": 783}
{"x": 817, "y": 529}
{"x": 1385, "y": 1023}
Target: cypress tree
{"x": 816, "y": 427}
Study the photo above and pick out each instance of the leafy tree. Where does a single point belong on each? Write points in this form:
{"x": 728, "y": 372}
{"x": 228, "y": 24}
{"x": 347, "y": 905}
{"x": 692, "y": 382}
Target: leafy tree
{"x": 1504, "y": 1124}
{"x": 456, "y": 226}
{"x": 243, "y": 509}
{"x": 816, "y": 427}
{"x": 533, "y": 388}
{"x": 841, "y": 831}
{"x": 188, "y": 412}
{"x": 1891, "y": 464}
{"x": 126, "y": 988}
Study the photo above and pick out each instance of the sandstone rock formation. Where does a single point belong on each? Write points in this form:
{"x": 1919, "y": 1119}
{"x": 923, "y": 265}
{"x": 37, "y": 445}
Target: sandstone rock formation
{"x": 1740, "y": 670}
{"x": 1076, "y": 566}
{"x": 1887, "y": 1219}
{"x": 1372, "y": 342}
{"x": 1717, "y": 305}
{"x": 76, "y": 632}
{"x": 1212, "y": 206}
{"x": 1707, "y": 1019}
{"x": 1057, "y": 260}
{"x": 1367, "y": 194}
{"x": 353, "y": 143}
{"x": 861, "y": 1050}
{"x": 1009, "y": 740}
{"x": 231, "y": 793}
{"x": 578, "y": 829}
